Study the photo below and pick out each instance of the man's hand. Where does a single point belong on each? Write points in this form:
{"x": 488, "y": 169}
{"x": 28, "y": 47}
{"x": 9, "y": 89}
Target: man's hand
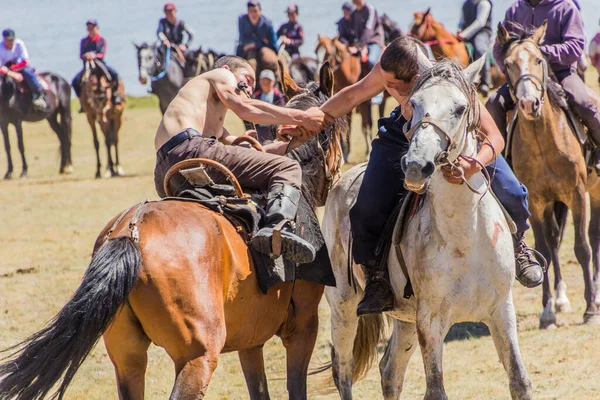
{"x": 250, "y": 46}
{"x": 468, "y": 167}
{"x": 315, "y": 120}
{"x": 16, "y": 76}
{"x": 459, "y": 36}
{"x": 353, "y": 50}
{"x": 286, "y": 133}
{"x": 285, "y": 40}
{"x": 3, "y": 70}
{"x": 166, "y": 43}
{"x": 252, "y": 133}
{"x": 182, "y": 47}
{"x": 89, "y": 56}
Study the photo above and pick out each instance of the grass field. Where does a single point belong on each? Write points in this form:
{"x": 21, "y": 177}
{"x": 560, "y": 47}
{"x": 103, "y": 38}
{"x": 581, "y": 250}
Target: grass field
{"x": 48, "y": 224}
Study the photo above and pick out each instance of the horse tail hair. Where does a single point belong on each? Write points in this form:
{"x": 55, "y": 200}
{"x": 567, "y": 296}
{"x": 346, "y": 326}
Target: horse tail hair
{"x": 371, "y": 329}
{"x": 561, "y": 212}
{"x": 55, "y": 353}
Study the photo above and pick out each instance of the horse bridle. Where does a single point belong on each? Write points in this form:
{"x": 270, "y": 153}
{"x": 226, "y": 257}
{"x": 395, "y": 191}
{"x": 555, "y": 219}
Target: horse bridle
{"x": 531, "y": 77}
{"x": 443, "y": 158}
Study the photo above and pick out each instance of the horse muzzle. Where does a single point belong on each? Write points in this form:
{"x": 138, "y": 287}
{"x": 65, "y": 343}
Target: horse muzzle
{"x": 530, "y": 107}
{"x": 417, "y": 174}
{"x": 143, "y": 79}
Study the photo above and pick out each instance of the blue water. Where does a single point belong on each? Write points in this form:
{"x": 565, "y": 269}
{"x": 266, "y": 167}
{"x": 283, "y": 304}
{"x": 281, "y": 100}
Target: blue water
{"x": 52, "y": 29}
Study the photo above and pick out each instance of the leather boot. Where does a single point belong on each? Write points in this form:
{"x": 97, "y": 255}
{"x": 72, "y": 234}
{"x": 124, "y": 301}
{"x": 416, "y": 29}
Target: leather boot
{"x": 596, "y": 157}
{"x": 278, "y": 237}
{"x": 378, "y": 296}
{"x": 528, "y": 270}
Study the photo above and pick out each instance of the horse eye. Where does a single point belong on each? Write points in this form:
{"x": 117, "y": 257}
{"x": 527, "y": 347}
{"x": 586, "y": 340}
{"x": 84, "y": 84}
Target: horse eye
{"x": 538, "y": 61}
{"x": 460, "y": 110}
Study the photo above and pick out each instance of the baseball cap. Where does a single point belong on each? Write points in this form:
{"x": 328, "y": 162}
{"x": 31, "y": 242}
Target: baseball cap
{"x": 267, "y": 74}
{"x": 92, "y": 22}
{"x": 253, "y": 3}
{"x": 347, "y": 6}
{"x": 169, "y": 6}
{"x": 8, "y": 34}
{"x": 292, "y": 8}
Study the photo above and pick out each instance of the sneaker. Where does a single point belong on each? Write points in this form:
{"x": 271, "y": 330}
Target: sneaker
{"x": 529, "y": 271}
{"x": 378, "y": 296}
{"x": 39, "y": 103}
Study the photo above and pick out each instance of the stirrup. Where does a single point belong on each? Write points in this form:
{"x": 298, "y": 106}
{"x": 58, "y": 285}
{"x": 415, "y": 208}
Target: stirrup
{"x": 539, "y": 257}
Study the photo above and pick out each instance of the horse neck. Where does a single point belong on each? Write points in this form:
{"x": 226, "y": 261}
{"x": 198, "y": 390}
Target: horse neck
{"x": 440, "y": 33}
{"x": 453, "y": 208}
{"x": 544, "y": 132}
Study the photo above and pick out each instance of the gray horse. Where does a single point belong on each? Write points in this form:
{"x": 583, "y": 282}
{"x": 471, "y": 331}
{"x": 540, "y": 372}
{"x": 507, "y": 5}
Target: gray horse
{"x": 16, "y": 106}
{"x": 167, "y": 74}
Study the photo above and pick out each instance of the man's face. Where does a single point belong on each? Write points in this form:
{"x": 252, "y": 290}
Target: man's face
{"x": 347, "y": 14}
{"x": 393, "y": 84}
{"x": 266, "y": 85}
{"x": 246, "y": 76}
{"x": 171, "y": 13}
{"x": 358, "y": 3}
{"x": 254, "y": 14}
{"x": 9, "y": 43}
{"x": 92, "y": 30}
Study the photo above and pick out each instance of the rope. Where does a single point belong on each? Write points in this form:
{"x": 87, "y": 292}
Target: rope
{"x": 164, "y": 71}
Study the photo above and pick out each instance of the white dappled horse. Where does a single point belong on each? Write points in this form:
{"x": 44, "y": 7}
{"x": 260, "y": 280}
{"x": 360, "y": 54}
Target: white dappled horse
{"x": 458, "y": 250}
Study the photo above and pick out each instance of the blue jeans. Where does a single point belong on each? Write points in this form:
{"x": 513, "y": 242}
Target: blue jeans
{"x": 383, "y": 186}
{"x": 32, "y": 80}
{"x": 481, "y": 45}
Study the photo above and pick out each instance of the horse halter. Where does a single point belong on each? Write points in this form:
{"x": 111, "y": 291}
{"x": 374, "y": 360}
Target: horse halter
{"x": 542, "y": 83}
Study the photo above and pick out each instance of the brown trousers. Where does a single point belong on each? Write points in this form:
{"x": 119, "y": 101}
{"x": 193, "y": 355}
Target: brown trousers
{"x": 253, "y": 169}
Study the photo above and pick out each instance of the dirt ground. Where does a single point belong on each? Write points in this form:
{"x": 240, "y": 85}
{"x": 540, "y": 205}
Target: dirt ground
{"x": 48, "y": 224}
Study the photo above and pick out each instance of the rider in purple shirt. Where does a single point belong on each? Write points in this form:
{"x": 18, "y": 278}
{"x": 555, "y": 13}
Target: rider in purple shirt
{"x": 563, "y": 45}
{"x": 291, "y": 33}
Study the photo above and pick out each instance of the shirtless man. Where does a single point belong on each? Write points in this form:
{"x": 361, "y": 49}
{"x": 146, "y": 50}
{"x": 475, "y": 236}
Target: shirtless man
{"x": 382, "y": 185}
{"x": 192, "y": 127}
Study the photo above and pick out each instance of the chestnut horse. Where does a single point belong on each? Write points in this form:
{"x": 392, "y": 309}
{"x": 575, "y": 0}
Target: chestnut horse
{"x": 444, "y": 44}
{"x": 347, "y": 71}
{"x": 96, "y": 100}
{"x": 548, "y": 159}
{"x": 178, "y": 275}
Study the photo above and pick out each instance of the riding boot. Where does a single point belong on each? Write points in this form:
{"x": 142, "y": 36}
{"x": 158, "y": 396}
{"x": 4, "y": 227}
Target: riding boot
{"x": 38, "y": 101}
{"x": 378, "y": 296}
{"x": 116, "y": 98}
{"x": 277, "y": 237}
{"x": 528, "y": 270}
{"x": 596, "y": 155}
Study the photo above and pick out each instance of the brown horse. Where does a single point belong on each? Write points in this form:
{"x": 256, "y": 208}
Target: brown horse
{"x": 96, "y": 100}
{"x": 347, "y": 71}
{"x": 178, "y": 275}
{"x": 548, "y": 159}
{"x": 444, "y": 44}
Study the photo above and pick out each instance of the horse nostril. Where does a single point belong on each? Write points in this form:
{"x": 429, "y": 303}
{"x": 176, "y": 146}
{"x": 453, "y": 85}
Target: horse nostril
{"x": 536, "y": 104}
{"x": 428, "y": 169}
{"x": 403, "y": 164}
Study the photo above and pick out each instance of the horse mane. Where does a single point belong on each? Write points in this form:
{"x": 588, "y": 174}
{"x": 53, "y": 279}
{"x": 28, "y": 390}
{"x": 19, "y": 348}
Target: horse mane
{"x": 554, "y": 90}
{"x": 450, "y": 71}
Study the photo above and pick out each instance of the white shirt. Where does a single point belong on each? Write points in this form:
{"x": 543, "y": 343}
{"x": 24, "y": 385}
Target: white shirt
{"x": 18, "y": 52}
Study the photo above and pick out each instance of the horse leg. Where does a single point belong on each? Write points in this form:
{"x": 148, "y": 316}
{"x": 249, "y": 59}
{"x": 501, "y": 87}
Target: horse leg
{"x": 394, "y": 362}
{"x": 117, "y": 127}
{"x": 92, "y": 122}
{"x": 21, "y": 144}
{"x": 9, "y": 171}
{"x": 582, "y": 253}
{"x": 299, "y": 335}
{"x": 127, "y": 346}
{"x": 66, "y": 124}
{"x": 344, "y": 324}
{"x": 594, "y": 236}
{"x": 109, "y": 142}
{"x": 552, "y": 234}
{"x": 503, "y": 327}
{"x": 65, "y": 144}
{"x": 347, "y": 138}
{"x": 431, "y": 331}
{"x": 253, "y": 366}
{"x": 547, "y": 317}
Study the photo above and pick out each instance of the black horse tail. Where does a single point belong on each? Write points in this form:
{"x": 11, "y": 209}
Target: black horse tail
{"x": 55, "y": 353}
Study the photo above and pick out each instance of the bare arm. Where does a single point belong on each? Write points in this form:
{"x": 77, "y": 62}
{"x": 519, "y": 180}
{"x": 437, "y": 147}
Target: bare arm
{"x": 348, "y": 98}
{"x": 489, "y": 128}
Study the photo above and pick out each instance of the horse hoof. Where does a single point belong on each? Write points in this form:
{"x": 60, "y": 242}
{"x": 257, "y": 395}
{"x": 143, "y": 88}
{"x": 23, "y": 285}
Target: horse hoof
{"x": 547, "y": 325}
{"x": 23, "y": 175}
{"x": 120, "y": 171}
{"x": 8, "y": 176}
{"x": 548, "y": 320}
{"x": 98, "y": 176}
{"x": 108, "y": 174}
{"x": 563, "y": 305}
{"x": 591, "y": 319}
{"x": 67, "y": 170}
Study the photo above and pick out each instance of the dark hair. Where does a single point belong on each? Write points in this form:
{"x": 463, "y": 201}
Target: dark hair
{"x": 233, "y": 62}
{"x": 253, "y": 3}
{"x": 400, "y": 57}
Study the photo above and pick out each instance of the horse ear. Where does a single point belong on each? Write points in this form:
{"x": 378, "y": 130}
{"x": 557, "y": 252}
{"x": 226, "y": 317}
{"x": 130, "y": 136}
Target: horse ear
{"x": 136, "y": 46}
{"x": 428, "y": 12}
{"x": 540, "y": 34}
{"x": 326, "y": 80}
{"x": 503, "y": 35}
{"x": 473, "y": 71}
{"x": 288, "y": 86}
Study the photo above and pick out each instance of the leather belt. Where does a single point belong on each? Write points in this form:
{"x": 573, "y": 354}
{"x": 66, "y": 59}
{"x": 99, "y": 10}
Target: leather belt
{"x": 176, "y": 141}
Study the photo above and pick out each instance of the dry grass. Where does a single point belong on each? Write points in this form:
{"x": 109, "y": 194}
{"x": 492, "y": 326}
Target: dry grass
{"x": 48, "y": 224}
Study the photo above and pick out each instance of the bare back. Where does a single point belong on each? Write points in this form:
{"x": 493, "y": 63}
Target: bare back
{"x": 196, "y": 106}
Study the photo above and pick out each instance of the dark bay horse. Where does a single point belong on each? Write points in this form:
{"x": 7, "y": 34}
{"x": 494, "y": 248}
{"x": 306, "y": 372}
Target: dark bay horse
{"x": 16, "y": 107}
{"x": 182, "y": 278}
{"x": 548, "y": 159}
{"x": 96, "y": 100}
{"x": 347, "y": 71}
